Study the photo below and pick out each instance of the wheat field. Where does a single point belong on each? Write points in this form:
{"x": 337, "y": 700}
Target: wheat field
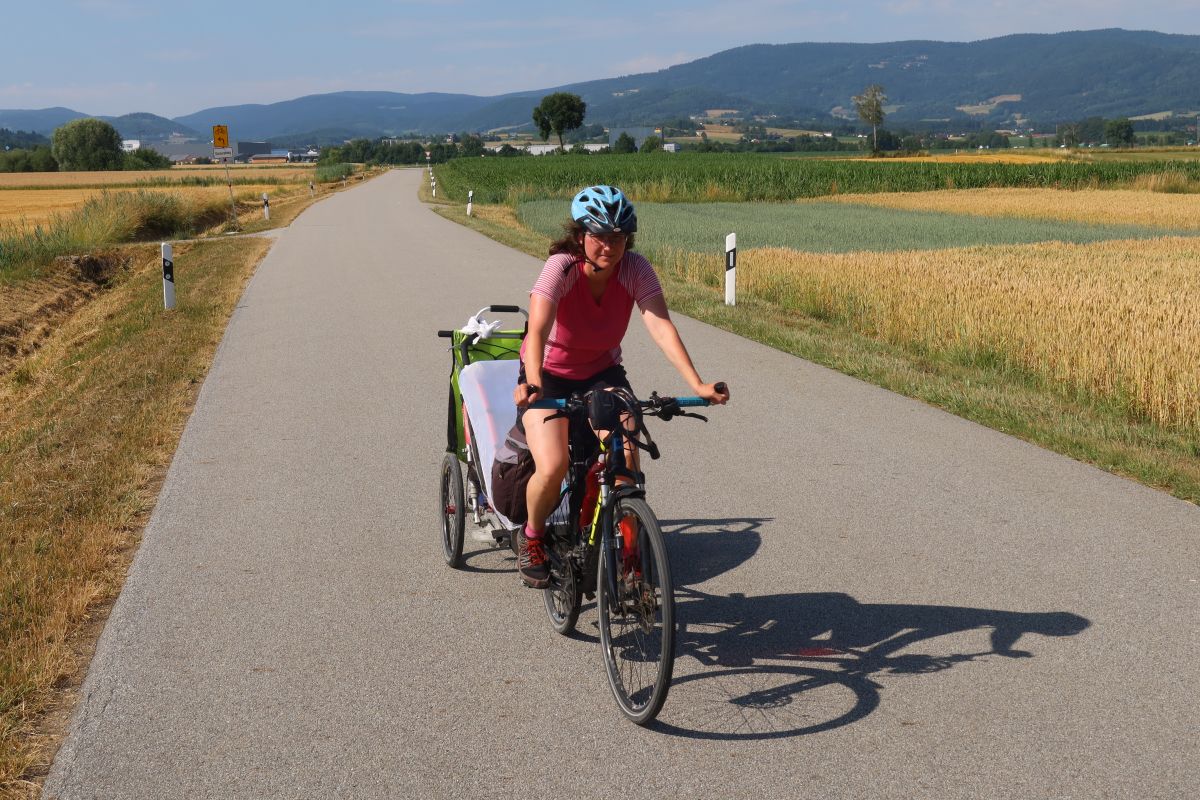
{"x": 1095, "y": 206}
{"x": 1117, "y": 319}
{"x": 26, "y": 208}
{"x": 209, "y": 173}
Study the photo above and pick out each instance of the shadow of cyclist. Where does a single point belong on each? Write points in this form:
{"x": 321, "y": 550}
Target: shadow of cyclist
{"x": 792, "y": 664}
{"x": 701, "y": 549}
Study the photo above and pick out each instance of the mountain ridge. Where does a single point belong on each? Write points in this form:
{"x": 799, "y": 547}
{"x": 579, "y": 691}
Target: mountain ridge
{"x": 1002, "y": 81}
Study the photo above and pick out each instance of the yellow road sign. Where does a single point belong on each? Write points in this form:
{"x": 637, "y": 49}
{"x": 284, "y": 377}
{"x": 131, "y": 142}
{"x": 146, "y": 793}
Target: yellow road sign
{"x": 220, "y": 136}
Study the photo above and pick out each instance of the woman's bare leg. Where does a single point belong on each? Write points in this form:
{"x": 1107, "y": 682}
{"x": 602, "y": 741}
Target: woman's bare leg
{"x": 548, "y": 444}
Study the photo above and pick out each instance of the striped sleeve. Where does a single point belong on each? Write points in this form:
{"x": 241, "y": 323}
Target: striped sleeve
{"x": 556, "y": 278}
{"x": 639, "y": 279}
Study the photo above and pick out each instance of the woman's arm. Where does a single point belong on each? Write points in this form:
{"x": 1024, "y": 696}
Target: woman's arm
{"x": 664, "y": 333}
{"x": 541, "y": 320}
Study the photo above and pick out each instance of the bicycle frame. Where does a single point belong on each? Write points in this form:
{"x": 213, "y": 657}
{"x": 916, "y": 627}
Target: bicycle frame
{"x": 612, "y": 451}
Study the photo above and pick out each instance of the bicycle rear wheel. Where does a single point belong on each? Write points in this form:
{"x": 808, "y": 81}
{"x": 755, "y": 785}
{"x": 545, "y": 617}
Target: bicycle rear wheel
{"x": 637, "y": 613}
{"x": 454, "y": 510}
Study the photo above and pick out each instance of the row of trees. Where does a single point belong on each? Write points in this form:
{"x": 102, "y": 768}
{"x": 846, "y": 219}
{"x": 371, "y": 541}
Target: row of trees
{"x": 1097, "y": 130}
{"x": 81, "y": 145}
{"x": 386, "y": 151}
{"x": 1093, "y": 130}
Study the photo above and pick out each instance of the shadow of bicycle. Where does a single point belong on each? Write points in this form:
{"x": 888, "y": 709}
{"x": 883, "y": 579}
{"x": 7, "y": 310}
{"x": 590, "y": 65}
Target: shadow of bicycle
{"x": 787, "y": 665}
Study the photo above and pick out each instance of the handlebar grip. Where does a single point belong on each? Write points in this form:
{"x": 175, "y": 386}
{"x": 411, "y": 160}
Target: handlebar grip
{"x": 445, "y": 334}
{"x": 691, "y": 402}
{"x": 721, "y": 387}
{"x": 504, "y": 309}
{"x": 549, "y": 403}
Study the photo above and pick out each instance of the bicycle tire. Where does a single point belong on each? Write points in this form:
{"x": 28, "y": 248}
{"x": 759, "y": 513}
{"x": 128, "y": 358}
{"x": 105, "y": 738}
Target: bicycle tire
{"x": 637, "y": 627}
{"x": 562, "y": 596}
{"x": 453, "y": 510}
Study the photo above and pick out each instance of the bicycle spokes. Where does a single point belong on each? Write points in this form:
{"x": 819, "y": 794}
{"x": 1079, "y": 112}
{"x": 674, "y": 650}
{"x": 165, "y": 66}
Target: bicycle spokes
{"x": 637, "y": 629}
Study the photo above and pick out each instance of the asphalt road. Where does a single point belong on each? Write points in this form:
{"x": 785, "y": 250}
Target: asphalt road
{"x": 878, "y": 599}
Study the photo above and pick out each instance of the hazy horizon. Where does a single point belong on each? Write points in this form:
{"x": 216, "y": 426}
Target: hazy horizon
{"x": 114, "y": 57}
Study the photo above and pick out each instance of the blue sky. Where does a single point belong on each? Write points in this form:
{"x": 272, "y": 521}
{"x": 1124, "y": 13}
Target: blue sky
{"x": 113, "y": 57}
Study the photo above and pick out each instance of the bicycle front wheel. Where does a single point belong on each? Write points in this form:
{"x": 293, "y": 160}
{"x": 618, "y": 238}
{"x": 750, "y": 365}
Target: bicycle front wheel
{"x": 562, "y": 596}
{"x": 637, "y": 612}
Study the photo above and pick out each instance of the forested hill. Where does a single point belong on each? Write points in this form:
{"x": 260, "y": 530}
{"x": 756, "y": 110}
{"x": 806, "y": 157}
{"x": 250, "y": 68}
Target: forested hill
{"x": 1043, "y": 78}
{"x": 1046, "y": 77}
{"x": 1039, "y": 77}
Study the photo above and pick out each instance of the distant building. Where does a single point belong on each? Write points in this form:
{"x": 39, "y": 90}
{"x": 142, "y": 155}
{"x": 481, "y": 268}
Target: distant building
{"x": 542, "y": 149}
{"x": 184, "y": 152}
{"x": 129, "y": 145}
{"x": 273, "y": 157}
{"x": 671, "y": 147}
{"x": 248, "y": 149}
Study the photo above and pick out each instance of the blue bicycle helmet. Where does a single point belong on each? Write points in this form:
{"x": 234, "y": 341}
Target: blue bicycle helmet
{"x": 604, "y": 209}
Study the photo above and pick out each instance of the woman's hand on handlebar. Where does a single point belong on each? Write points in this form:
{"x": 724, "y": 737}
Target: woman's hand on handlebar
{"x": 525, "y": 394}
{"x": 716, "y": 393}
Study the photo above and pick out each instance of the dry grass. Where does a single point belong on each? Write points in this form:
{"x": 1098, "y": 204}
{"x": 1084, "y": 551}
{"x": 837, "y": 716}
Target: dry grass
{"x": 87, "y": 425}
{"x": 1115, "y": 320}
{"x": 1100, "y": 206}
{"x": 26, "y": 208}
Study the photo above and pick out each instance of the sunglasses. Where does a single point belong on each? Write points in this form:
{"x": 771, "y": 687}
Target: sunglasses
{"x": 610, "y": 239}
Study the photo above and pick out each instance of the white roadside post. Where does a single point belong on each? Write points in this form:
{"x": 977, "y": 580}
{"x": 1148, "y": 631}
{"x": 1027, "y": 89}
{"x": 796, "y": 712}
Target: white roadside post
{"x": 470, "y": 200}
{"x": 434, "y": 185}
{"x": 312, "y": 190}
{"x": 730, "y": 269}
{"x": 266, "y": 208}
{"x": 168, "y": 277}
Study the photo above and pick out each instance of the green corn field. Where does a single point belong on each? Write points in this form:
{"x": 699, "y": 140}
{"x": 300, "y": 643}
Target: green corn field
{"x": 733, "y": 177}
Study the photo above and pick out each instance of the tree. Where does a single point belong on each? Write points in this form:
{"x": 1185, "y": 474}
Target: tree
{"x": 1091, "y": 130}
{"x": 651, "y": 144}
{"x": 624, "y": 144}
{"x": 472, "y": 146}
{"x": 1068, "y": 135}
{"x": 870, "y": 110}
{"x": 87, "y": 144}
{"x": 559, "y": 112}
{"x": 146, "y": 158}
{"x": 1119, "y": 132}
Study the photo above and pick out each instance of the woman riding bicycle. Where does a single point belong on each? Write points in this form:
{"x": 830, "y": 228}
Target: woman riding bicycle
{"x": 579, "y": 310}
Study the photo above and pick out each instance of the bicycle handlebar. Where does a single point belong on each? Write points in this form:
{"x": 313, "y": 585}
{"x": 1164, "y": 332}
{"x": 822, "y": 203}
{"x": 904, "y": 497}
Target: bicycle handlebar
{"x": 654, "y": 402}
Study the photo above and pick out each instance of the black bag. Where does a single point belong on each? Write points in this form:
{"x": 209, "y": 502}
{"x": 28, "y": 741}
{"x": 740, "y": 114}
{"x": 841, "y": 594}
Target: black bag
{"x": 511, "y": 472}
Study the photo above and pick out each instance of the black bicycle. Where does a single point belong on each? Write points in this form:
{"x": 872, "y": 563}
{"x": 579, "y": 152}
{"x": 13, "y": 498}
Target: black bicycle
{"x": 604, "y": 540}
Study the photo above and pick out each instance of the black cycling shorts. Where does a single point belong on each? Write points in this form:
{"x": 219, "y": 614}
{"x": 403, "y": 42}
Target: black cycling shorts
{"x": 555, "y": 387}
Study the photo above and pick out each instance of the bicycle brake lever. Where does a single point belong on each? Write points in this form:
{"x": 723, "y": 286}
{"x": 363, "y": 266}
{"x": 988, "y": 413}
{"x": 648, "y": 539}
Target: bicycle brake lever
{"x": 700, "y": 417}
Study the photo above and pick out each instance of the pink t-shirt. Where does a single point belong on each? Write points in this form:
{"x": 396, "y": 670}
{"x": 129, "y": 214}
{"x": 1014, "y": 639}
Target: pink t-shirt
{"x": 586, "y": 336}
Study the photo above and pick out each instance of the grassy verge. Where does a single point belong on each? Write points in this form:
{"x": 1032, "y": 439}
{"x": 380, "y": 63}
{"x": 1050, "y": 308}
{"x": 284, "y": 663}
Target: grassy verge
{"x": 88, "y": 425}
{"x": 89, "y": 420}
{"x": 108, "y": 219}
{"x": 992, "y": 393}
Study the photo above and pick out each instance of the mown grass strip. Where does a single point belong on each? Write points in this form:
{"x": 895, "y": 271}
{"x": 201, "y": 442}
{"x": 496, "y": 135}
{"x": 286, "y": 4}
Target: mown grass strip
{"x": 87, "y": 426}
{"x": 825, "y": 227}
